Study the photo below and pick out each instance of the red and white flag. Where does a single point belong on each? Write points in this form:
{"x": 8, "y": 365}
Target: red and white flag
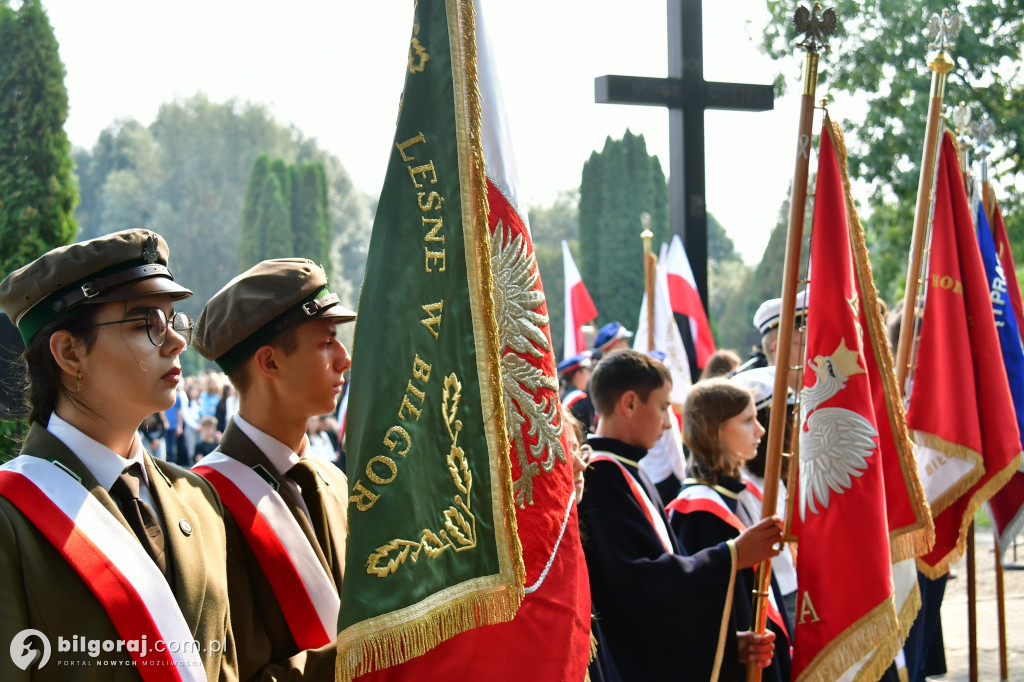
{"x": 665, "y": 337}
{"x": 579, "y": 308}
{"x": 682, "y": 292}
{"x": 960, "y": 399}
{"x": 846, "y": 618}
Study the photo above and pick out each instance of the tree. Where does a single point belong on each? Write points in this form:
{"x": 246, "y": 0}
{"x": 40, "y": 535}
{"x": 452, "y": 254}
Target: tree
{"x": 879, "y": 54}
{"x": 311, "y": 223}
{"x": 549, "y": 226}
{"x": 736, "y": 327}
{"x": 618, "y": 184}
{"x": 273, "y": 221}
{"x": 248, "y": 245}
{"x": 37, "y": 189}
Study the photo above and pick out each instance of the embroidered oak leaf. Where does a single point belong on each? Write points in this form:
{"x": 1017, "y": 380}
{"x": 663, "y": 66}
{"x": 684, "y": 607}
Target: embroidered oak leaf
{"x": 395, "y": 551}
{"x": 459, "y": 533}
{"x": 522, "y": 332}
{"x": 458, "y": 467}
{"x": 457, "y": 526}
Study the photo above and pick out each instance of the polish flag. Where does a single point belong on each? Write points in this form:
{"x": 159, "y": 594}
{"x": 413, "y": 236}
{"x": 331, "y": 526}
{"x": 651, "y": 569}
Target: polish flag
{"x": 579, "y": 308}
{"x": 682, "y": 292}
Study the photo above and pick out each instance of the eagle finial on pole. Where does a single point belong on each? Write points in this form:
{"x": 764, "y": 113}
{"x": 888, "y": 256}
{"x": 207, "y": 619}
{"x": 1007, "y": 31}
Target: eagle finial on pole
{"x": 816, "y": 25}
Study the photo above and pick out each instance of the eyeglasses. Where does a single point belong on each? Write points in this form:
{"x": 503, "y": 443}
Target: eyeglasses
{"x": 156, "y": 325}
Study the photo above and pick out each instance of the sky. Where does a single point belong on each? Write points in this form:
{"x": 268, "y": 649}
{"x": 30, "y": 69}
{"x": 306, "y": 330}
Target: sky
{"x": 335, "y": 69}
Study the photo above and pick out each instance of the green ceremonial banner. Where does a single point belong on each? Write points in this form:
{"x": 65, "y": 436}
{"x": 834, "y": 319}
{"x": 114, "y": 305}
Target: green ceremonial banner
{"x": 432, "y": 548}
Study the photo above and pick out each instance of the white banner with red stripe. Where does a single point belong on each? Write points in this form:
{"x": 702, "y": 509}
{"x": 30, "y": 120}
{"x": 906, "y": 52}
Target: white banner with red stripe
{"x": 111, "y": 561}
{"x": 306, "y": 594}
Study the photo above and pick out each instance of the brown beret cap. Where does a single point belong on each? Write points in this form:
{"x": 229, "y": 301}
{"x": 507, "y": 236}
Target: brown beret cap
{"x": 259, "y": 304}
{"x": 114, "y": 267}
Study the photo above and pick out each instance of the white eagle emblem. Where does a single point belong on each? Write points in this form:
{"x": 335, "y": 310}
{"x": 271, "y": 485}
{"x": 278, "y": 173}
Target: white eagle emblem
{"x": 835, "y": 443}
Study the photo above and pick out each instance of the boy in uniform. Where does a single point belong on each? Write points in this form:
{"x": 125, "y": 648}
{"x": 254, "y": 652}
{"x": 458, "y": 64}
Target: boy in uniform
{"x": 273, "y": 331}
{"x": 651, "y": 601}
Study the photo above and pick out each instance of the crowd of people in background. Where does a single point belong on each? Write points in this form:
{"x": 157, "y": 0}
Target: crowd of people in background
{"x": 193, "y": 426}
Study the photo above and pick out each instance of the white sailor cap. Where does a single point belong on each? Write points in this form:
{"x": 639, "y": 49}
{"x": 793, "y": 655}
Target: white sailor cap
{"x": 767, "y": 316}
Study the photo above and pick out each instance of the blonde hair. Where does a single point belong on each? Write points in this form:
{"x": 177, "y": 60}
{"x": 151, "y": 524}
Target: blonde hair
{"x": 710, "y": 404}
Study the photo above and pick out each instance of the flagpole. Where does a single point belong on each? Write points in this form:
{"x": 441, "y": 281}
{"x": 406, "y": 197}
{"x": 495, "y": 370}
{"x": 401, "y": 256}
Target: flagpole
{"x": 961, "y": 119}
{"x": 982, "y": 134}
{"x": 817, "y": 25}
{"x": 943, "y": 31}
{"x": 647, "y": 235}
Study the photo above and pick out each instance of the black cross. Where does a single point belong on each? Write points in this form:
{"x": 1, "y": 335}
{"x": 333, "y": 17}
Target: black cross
{"x": 687, "y": 95}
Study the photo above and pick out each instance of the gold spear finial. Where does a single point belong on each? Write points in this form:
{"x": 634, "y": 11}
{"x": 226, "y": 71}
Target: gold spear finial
{"x": 816, "y": 25}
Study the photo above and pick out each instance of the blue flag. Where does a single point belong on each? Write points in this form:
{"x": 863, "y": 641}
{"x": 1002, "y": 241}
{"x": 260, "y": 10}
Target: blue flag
{"x": 1007, "y": 323}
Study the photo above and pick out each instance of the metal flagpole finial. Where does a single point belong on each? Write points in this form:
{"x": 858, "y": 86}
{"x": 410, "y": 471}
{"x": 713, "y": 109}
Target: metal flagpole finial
{"x": 943, "y": 30}
{"x": 816, "y": 25}
{"x": 645, "y": 222}
{"x": 982, "y": 132}
{"x": 961, "y": 116}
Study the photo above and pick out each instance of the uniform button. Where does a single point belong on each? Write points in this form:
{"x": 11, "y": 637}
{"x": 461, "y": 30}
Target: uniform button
{"x": 185, "y": 527}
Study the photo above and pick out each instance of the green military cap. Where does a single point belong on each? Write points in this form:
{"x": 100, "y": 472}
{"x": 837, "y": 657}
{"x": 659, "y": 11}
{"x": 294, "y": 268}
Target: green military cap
{"x": 114, "y": 267}
{"x": 259, "y": 304}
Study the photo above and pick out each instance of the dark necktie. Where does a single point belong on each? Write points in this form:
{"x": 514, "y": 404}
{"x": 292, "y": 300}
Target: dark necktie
{"x": 140, "y": 515}
{"x": 305, "y": 475}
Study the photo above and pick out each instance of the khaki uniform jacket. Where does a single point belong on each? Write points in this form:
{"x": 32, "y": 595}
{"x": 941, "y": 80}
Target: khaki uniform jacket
{"x": 39, "y": 590}
{"x": 266, "y": 648}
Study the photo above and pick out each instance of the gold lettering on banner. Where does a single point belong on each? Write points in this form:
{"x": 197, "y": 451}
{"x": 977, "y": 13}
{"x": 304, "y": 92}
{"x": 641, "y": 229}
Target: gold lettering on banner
{"x": 806, "y": 612}
{"x": 420, "y": 369}
{"x": 418, "y": 55}
{"x": 937, "y": 462}
{"x": 364, "y": 498}
{"x": 434, "y": 319}
{"x": 948, "y": 283}
{"x": 402, "y": 146}
{"x": 386, "y": 461}
{"x": 432, "y": 198}
{"x": 392, "y": 443}
{"x": 437, "y": 223}
{"x": 422, "y": 171}
{"x": 434, "y": 257}
{"x": 459, "y": 531}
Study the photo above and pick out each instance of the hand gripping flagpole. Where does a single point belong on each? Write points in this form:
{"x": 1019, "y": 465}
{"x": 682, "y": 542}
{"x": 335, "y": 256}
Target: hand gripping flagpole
{"x": 943, "y": 30}
{"x": 816, "y": 25}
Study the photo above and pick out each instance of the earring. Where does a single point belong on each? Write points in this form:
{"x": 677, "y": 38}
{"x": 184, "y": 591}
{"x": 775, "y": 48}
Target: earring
{"x": 78, "y": 382}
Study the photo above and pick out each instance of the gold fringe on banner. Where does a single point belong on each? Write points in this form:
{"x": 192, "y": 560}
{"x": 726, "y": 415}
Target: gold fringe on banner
{"x": 960, "y": 488}
{"x": 398, "y": 643}
{"x": 980, "y": 497}
{"x": 918, "y": 538}
{"x": 842, "y": 653}
{"x": 907, "y": 616}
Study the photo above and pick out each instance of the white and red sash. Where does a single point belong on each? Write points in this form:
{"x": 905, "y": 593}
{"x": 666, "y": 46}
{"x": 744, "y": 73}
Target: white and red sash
{"x": 650, "y": 511}
{"x": 111, "y": 562}
{"x": 573, "y": 397}
{"x": 306, "y": 594}
{"x": 705, "y": 498}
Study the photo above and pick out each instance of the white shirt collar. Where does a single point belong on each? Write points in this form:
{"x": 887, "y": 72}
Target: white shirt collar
{"x": 280, "y": 455}
{"x": 103, "y": 463}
